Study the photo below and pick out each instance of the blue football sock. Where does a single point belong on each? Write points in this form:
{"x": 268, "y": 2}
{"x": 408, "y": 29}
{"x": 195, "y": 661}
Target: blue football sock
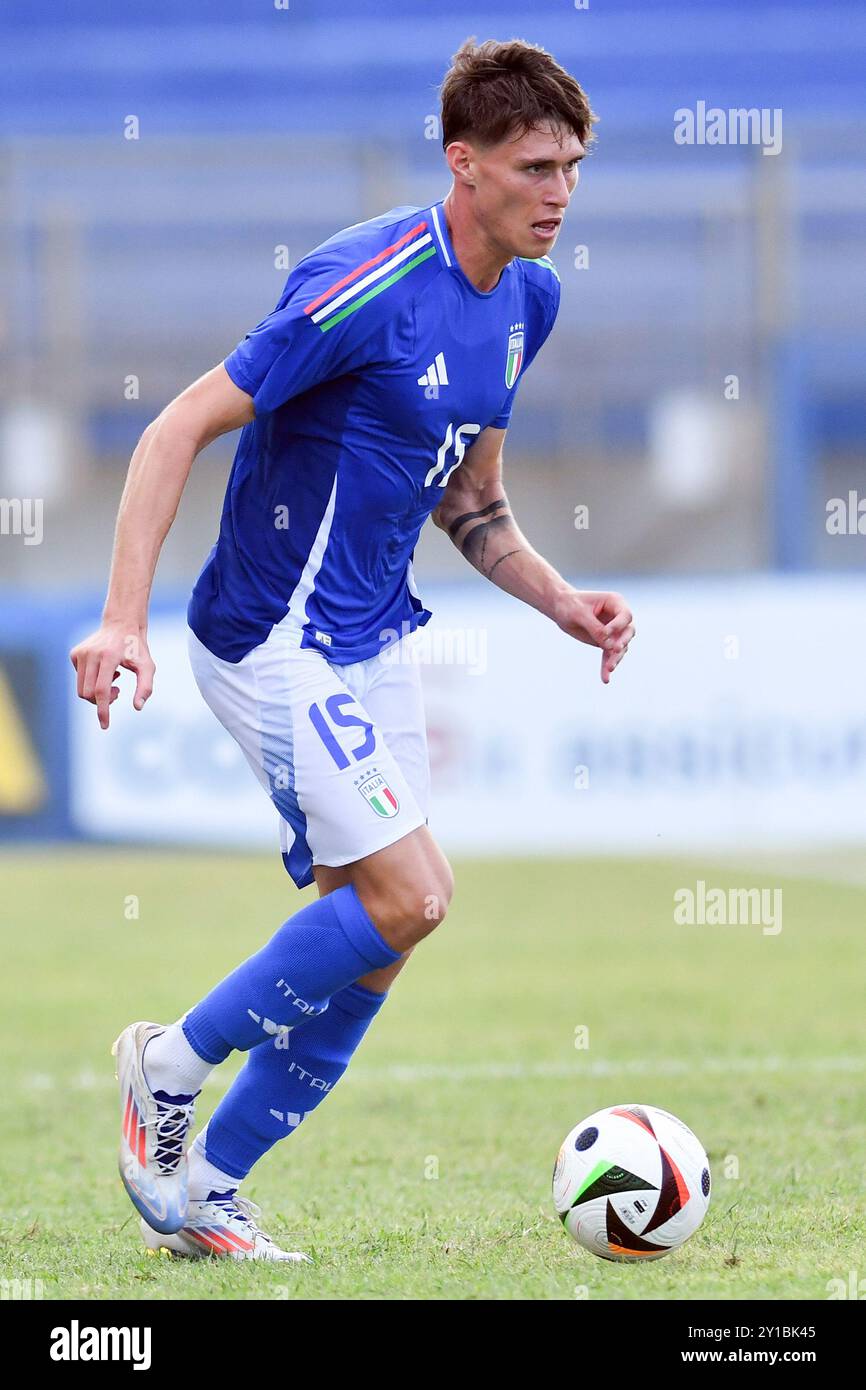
{"x": 329, "y": 944}
{"x": 284, "y": 1080}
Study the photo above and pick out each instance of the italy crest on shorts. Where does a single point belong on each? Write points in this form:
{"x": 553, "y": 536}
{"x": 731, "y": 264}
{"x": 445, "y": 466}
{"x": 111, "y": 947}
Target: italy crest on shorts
{"x": 514, "y": 360}
{"x": 378, "y": 794}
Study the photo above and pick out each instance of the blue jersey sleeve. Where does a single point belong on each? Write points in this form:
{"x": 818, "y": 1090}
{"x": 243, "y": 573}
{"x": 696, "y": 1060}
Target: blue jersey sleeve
{"x": 535, "y": 341}
{"x": 320, "y": 329}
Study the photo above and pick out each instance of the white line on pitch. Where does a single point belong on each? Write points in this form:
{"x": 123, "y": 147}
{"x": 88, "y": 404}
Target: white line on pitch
{"x": 411, "y": 1073}
{"x": 635, "y": 1066}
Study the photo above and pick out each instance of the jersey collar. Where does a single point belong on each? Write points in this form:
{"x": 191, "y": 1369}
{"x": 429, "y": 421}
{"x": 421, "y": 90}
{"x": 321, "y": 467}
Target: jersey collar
{"x": 440, "y": 235}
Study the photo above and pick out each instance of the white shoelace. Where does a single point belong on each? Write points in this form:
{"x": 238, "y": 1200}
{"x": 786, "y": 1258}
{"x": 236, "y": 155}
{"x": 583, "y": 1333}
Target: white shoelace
{"x": 170, "y": 1124}
{"x": 249, "y": 1213}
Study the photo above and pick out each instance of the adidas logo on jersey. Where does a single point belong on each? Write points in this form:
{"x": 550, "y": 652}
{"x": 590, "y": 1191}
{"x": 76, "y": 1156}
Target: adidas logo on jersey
{"x": 436, "y": 374}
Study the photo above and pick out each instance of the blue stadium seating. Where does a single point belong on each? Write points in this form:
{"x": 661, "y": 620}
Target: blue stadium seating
{"x": 346, "y": 65}
{"x": 367, "y": 70}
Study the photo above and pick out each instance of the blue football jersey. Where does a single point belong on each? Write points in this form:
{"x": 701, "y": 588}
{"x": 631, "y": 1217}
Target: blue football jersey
{"x": 372, "y": 378}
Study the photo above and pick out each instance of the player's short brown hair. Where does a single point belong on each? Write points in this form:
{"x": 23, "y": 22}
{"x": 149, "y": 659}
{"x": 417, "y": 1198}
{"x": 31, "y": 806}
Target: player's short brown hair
{"x": 495, "y": 91}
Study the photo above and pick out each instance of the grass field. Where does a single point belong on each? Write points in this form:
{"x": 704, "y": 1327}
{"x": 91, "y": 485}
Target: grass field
{"x": 755, "y": 1040}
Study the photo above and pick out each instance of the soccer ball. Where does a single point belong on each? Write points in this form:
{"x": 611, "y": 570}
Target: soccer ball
{"x": 631, "y": 1183}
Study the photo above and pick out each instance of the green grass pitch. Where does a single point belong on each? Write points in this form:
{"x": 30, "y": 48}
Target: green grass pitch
{"x": 427, "y": 1173}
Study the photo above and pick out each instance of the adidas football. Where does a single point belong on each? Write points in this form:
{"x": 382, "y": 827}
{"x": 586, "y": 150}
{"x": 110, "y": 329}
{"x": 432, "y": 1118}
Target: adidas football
{"x": 631, "y": 1183}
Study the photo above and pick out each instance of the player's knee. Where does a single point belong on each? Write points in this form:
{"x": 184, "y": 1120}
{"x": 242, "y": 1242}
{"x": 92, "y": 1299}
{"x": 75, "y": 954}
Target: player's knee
{"x": 414, "y": 902}
{"x": 419, "y": 909}
{"x": 437, "y": 898}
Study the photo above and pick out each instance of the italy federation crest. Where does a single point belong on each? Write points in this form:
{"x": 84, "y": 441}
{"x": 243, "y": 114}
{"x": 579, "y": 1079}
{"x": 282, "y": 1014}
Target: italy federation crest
{"x": 514, "y": 360}
{"x": 378, "y": 794}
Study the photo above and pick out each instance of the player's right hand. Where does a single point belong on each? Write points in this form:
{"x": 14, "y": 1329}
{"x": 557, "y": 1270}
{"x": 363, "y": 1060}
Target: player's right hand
{"x": 98, "y": 661}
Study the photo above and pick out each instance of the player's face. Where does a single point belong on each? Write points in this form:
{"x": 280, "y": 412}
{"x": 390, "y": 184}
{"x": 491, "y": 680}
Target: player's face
{"x": 523, "y": 188}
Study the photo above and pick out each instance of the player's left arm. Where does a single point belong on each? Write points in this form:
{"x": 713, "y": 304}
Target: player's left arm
{"x": 474, "y": 511}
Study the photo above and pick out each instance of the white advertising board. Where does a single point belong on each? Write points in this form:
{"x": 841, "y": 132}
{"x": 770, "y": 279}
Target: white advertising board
{"x": 738, "y": 718}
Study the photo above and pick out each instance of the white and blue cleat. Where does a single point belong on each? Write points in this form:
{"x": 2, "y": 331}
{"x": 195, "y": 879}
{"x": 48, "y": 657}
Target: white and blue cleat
{"x": 225, "y": 1226}
{"x": 152, "y": 1157}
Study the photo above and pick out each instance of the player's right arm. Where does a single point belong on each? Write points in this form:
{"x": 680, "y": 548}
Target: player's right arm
{"x": 158, "y": 470}
{"x": 312, "y": 335}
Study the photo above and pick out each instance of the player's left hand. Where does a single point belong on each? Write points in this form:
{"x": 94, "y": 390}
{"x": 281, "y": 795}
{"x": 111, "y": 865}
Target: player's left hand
{"x": 600, "y": 619}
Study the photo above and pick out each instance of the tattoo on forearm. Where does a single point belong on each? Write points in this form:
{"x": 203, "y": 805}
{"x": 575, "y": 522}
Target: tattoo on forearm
{"x": 480, "y": 537}
{"x": 508, "y": 556}
{"x": 483, "y": 529}
{"x": 474, "y": 516}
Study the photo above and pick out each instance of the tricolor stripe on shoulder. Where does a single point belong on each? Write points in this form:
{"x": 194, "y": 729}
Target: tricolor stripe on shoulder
{"x": 371, "y": 277}
{"x": 542, "y": 260}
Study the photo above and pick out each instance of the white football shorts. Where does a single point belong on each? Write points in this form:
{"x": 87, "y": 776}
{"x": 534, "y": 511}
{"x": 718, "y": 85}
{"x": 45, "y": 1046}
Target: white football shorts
{"x": 340, "y": 750}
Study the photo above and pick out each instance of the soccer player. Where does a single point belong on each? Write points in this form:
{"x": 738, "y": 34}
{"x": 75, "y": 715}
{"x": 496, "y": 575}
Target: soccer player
{"x": 376, "y": 393}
